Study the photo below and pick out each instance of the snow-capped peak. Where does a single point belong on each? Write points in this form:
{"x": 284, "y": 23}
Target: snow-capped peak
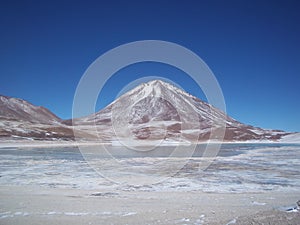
{"x": 157, "y": 108}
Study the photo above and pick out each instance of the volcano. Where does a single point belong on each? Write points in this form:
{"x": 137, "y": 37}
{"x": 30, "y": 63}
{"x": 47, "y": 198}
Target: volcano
{"x": 158, "y": 110}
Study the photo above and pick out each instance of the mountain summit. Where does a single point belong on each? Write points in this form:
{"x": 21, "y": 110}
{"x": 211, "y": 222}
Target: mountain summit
{"x": 158, "y": 110}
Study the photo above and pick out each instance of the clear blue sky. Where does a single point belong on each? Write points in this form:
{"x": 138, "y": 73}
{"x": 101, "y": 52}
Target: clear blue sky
{"x": 252, "y": 47}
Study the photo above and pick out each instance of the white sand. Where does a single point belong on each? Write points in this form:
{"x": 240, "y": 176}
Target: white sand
{"x": 36, "y": 205}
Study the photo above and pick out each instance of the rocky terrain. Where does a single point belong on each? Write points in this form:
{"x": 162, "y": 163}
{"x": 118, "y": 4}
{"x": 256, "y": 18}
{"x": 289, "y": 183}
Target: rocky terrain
{"x": 20, "y": 119}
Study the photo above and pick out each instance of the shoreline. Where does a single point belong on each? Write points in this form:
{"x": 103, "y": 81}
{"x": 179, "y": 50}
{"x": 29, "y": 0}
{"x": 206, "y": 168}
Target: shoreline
{"x": 50, "y": 144}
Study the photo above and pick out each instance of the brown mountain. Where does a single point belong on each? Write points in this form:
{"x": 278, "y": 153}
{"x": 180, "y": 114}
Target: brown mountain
{"x": 21, "y": 110}
{"x": 21, "y": 119}
{"x": 159, "y": 110}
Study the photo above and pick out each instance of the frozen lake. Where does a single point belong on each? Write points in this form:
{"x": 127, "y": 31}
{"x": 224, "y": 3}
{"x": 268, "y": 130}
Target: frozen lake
{"x": 239, "y": 168}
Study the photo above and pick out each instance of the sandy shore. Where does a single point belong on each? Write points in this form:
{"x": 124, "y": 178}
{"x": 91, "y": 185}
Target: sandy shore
{"x": 61, "y": 143}
{"x": 37, "y": 205}
{"x": 45, "y": 144}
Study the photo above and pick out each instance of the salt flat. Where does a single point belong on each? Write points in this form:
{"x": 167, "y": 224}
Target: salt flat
{"x": 59, "y": 186}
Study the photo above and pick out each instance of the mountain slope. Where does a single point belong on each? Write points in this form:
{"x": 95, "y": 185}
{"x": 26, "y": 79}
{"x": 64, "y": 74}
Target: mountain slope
{"x": 21, "y": 110}
{"x": 21, "y": 119}
{"x": 158, "y": 110}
